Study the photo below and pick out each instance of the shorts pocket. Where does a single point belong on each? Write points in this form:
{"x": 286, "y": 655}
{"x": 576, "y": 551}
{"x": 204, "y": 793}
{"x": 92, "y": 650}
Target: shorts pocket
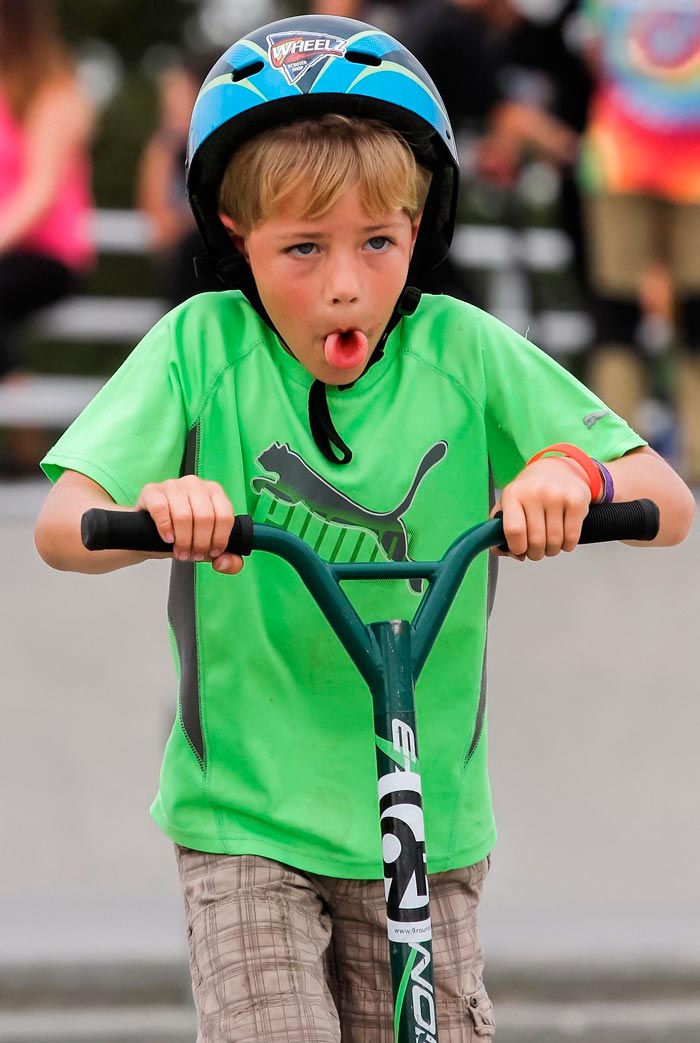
{"x": 480, "y": 1012}
{"x": 195, "y": 972}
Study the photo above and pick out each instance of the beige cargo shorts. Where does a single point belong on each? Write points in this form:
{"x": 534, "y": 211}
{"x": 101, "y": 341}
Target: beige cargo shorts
{"x": 280, "y": 956}
{"x": 628, "y": 233}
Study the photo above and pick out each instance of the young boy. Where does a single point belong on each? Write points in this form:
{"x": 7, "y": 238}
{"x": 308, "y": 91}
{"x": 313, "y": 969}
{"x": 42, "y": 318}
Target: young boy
{"x": 330, "y": 401}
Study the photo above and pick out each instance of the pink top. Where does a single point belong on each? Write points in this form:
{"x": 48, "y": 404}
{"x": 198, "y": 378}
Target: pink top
{"x": 63, "y": 231}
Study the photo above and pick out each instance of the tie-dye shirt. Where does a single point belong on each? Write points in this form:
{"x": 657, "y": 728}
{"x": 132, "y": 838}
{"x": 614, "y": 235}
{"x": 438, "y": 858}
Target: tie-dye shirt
{"x": 644, "y": 128}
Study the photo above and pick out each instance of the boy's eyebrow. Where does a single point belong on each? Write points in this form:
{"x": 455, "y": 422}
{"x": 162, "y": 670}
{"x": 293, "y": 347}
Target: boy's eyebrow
{"x": 384, "y": 224}
{"x": 320, "y": 235}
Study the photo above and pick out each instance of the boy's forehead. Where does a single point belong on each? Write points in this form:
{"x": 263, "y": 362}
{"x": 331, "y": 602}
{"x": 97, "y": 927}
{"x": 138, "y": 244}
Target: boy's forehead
{"x": 300, "y": 205}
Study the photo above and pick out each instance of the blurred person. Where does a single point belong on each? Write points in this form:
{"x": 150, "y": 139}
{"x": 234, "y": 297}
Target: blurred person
{"x": 548, "y": 52}
{"x": 386, "y": 14}
{"x": 465, "y": 45}
{"x": 45, "y": 195}
{"x": 640, "y": 171}
{"x": 161, "y": 187}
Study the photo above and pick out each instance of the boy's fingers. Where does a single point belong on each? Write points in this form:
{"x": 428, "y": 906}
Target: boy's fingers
{"x": 195, "y": 516}
{"x": 515, "y": 529}
{"x": 203, "y": 518}
{"x": 572, "y": 530}
{"x": 223, "y": 523}
{"x": 554, "y": 531}
{"x": 181, "y": 514}
{"x": 213, "y": 519}
{"x": 536, "y": 536}
{"x": 228, "y": 564}
{"x": 573, "y": 520}
{"x": 156, "y": 503}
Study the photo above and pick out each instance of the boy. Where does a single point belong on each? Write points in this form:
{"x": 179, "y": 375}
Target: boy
{"x": 323, "y": 176}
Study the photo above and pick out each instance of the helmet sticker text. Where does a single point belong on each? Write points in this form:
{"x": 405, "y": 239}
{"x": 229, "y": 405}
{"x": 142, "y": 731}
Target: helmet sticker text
{"x": 294, "y": 53}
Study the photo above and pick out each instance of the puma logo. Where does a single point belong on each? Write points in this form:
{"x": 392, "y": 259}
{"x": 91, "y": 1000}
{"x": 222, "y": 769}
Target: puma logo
{"x": 297, "y": 483}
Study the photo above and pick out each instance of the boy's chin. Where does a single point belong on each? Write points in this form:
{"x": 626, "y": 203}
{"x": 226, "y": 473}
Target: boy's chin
{"x": 339, "y": 377}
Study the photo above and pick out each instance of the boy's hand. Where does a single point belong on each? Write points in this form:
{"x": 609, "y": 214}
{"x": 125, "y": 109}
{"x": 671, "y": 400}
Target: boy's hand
{"x": 194, "y": 515}
{"x": 544, "y": 508}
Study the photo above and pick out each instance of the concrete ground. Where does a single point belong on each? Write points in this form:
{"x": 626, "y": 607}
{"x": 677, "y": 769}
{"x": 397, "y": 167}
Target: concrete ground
{"x": 594, "y": 725}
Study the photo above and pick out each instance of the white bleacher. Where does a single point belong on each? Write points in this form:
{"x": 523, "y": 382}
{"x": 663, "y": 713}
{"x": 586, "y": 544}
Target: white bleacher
{"x": 100, "y": 319}
{"x": 507, "y": 254}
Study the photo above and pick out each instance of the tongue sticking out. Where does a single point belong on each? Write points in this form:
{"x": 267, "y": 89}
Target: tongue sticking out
{"x": 345, "y": 350}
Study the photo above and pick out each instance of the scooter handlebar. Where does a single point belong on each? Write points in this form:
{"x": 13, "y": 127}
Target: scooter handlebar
{"x": 135, "y": 530}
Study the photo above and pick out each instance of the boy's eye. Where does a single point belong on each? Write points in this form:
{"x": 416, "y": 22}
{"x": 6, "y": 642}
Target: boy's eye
{"x": 302, "y": 248}
{"x": 378, "y": 242}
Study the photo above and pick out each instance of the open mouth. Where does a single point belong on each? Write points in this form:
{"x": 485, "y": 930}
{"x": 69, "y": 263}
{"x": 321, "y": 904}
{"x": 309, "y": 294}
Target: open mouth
{"x": 345, "y": 349}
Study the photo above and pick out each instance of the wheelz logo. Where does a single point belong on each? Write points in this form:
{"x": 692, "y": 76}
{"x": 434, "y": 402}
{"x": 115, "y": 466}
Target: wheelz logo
{"x": 423, "y": 997}
{"x": 295, "y": 53}
{"x": 403, "y": 843}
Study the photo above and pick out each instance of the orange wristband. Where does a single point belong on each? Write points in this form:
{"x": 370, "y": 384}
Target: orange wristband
{"x": 595, "y": 479}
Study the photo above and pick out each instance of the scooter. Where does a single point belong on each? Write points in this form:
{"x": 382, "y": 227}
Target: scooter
{"x": 389, "y": 655}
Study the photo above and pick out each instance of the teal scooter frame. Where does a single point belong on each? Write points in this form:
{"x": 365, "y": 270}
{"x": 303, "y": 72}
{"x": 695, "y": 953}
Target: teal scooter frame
{"x": 390, "y": 656}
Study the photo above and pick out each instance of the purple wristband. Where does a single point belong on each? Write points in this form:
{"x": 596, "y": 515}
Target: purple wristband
{"x": 608, "y": 485}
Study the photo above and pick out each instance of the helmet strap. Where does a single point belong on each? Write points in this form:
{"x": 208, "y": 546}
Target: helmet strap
{"x": 322, "y": 427}
{"x": 234, "y": 271}
{"x": 324, "y": 432}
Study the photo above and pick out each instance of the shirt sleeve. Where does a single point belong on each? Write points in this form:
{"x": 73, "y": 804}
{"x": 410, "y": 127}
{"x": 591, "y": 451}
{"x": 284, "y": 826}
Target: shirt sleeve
{"x": 532, "y": 402}
{"x": 135, "y": 429}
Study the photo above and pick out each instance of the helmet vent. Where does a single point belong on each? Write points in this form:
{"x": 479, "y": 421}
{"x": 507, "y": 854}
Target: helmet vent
{"x": 362, "y": 58}
{"x": 247, "y": 70}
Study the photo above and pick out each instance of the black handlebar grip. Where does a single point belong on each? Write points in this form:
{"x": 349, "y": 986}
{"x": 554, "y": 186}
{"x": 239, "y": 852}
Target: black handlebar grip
{"x": 136, "y": 530}
{"x": 632, "y": 520}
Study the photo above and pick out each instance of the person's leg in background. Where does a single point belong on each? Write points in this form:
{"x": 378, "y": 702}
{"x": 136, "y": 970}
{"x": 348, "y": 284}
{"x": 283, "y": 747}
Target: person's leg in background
{"x": 684, "y": 259}
{"x": 622, "y": 245}
{"x": 28, "y": 282}
{"x": 617, "y": 370}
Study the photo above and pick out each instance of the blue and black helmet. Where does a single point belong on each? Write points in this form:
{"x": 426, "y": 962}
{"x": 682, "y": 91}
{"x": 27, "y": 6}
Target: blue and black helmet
{"x": 306, "y": 66}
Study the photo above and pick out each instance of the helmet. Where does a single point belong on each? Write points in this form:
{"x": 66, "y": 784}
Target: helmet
{"x": 306, "y": 66}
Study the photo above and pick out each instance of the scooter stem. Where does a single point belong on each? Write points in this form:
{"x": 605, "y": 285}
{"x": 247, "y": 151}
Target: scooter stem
{"x": 403, "y": 836}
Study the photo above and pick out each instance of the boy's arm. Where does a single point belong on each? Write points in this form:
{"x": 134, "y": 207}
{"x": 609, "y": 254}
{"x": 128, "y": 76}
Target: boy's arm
{"x": 641, "y": 474}
{"x": 192, "y": 514}
{"x": 57, "y": 529}
{"x": 544, "y": 506}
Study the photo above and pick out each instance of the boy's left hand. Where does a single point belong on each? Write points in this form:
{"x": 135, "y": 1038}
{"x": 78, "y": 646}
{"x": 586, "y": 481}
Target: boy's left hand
{"x": 544, "y": 508}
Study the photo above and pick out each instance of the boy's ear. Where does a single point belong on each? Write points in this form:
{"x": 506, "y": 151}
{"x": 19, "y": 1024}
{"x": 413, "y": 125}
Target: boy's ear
{"x": 236, "y": 237}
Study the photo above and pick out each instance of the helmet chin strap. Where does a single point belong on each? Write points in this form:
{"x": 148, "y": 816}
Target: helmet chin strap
{"x": 233, "y": 270}
{"x": 323, "y": 429}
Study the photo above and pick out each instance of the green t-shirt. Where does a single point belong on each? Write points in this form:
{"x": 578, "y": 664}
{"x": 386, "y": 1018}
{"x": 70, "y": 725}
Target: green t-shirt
{"x": 272, "y": 749}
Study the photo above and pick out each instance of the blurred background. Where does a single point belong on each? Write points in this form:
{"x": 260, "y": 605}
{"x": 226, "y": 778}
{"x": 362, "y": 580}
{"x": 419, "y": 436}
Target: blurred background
{"x": 591, "y": 917}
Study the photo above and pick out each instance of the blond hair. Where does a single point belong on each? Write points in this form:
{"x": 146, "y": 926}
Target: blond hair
{"x": 325, "y": 157}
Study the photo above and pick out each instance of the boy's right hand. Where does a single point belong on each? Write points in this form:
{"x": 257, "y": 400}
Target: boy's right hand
{"x": 194, "y": 515}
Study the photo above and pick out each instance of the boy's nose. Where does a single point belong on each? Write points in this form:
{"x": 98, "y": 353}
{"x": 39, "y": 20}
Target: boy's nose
{"x": 342, "y": 283}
